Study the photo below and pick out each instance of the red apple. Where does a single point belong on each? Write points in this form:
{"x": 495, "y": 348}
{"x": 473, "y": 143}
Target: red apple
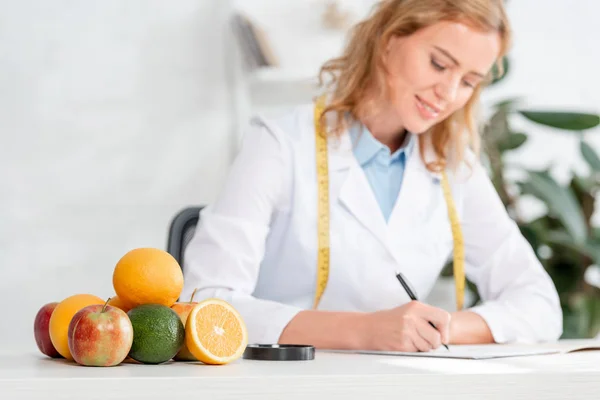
{"x": 41, "y": 331}
{"x": 100, "y": 336}
{"x": 183, "y": 310}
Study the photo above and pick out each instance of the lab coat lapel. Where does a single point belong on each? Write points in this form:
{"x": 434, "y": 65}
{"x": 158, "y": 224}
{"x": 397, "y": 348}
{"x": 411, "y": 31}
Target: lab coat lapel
{"x": 415, "y": 194}
{"x": 355, "y": 193}
{"x": 357, "y": 196}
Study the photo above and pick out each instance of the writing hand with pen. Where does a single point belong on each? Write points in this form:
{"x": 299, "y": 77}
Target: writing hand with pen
{"x": 414, "y": 326}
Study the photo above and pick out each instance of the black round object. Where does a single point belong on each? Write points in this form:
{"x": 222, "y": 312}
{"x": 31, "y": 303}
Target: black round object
{"x": 279, "y": 352}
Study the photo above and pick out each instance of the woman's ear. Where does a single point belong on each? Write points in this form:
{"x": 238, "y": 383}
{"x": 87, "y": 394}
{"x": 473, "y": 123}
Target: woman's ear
{"x": 392, "y": 43}
{"x": 389, "y": 44}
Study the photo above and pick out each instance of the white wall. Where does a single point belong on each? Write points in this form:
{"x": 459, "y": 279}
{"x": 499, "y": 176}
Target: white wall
{"x": 114, "y": 115}
{"x": 555, "y": 65}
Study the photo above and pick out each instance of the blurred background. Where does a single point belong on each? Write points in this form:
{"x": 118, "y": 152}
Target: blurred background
{"x": 115, "y": 115}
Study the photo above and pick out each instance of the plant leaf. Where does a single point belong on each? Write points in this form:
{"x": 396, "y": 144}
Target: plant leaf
{"x": 590, "y": 156}
{"x": 563, "y": 120}
{"x": 497, "y": 127}
{"x": 588, "y": 249}
{"x": 594, "y": 239}
{"x": 580, "y": 184}
{"x": 561, "y": 203}
{"x": 576, "y": 319}
{"x": 594, "y": 312}
{"x": 533, "y": 234}
{"x": 512, "y": 141}
{"x": 496, "y": 76}
{"x": 507, "y": 104}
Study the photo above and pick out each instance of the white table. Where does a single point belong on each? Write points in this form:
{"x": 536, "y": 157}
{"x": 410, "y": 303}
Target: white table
{"x": 329, "y": 375}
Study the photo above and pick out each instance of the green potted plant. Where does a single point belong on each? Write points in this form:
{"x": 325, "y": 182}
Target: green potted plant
{"x": 564, "y": 238}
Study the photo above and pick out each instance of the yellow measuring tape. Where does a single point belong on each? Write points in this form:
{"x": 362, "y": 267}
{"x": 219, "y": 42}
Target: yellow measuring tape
{"x": 323, "y": 202}
{"x": 323, "y": 217}
{"x": 459, "y": 244}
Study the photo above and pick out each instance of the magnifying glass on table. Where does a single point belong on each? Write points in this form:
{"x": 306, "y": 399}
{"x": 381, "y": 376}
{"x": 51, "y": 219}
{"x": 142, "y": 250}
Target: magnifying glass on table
{"x": 279, "y": 352}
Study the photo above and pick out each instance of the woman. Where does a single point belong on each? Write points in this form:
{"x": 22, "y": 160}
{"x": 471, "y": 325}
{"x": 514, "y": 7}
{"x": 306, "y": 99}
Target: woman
{"x": 308, "y": 254}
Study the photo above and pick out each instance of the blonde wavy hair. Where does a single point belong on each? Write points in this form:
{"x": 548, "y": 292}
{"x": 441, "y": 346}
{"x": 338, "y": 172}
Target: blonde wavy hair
{"x": 361, "y": 68}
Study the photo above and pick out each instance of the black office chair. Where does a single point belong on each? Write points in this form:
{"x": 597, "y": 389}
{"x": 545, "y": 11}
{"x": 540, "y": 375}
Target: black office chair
{"x": 181, "y": 231}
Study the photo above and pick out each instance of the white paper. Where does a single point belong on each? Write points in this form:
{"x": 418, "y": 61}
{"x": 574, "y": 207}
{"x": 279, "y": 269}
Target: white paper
{"x": 481, "y": 352}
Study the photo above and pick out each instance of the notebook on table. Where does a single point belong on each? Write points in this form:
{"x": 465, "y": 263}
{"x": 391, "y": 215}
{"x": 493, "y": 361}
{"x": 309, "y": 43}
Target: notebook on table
{"x": 488, "y": 351}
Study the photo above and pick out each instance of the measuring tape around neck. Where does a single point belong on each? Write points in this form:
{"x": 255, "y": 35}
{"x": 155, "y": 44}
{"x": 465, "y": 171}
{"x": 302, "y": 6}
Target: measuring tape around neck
{"x": 323, "y": 202}
{"x": 323, "y": 254}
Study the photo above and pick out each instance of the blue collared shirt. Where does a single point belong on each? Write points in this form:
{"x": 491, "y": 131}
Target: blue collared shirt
{"x": 384, "y": 170}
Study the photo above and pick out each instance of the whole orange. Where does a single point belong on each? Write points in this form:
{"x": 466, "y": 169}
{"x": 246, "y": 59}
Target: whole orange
{"x": 61, "y": 318}
{"x": 148, "y": 276}
{"x": 115, "y": 301}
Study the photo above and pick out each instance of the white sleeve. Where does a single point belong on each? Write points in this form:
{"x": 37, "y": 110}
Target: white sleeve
{"x": 223, "y": 258}
{"x": 520, "y": 301}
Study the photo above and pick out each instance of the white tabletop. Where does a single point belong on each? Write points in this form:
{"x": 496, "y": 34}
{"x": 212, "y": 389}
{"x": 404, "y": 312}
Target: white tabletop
{"x": 329, "y": 375}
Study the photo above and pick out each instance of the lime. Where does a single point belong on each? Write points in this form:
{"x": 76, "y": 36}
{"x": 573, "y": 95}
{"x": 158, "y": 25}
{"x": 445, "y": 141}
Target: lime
{"x": 158, "y": 333}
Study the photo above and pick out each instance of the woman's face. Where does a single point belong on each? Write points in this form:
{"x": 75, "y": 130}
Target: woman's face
{"x": 433, "y": 72}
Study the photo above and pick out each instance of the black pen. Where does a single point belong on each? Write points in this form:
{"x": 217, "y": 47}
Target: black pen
{"x": 404, "y": 282}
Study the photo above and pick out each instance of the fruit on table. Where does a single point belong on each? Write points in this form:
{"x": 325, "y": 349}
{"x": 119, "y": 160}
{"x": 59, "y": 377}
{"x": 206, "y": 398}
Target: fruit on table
{"x": 148, "y": 276}
{"x": 215, "y": 332}
{"x": 116, "y": 301}
{"x": 183, "y": 309}
{"x": 100, "y": 336}
{"x": 158, "y": 333}
{"x": 61, "y": 318}
{"x": 41, "y": 330}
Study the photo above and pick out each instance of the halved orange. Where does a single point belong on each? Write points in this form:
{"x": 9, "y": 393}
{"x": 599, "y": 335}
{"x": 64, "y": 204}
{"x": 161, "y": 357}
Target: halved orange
{"x": 215, "y": 332}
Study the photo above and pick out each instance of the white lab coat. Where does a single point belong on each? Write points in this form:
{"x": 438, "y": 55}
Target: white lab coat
{"x": 256, "y": 245}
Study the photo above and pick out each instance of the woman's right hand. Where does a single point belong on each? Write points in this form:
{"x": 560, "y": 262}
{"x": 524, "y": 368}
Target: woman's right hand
{"x": 406, "y": 328}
